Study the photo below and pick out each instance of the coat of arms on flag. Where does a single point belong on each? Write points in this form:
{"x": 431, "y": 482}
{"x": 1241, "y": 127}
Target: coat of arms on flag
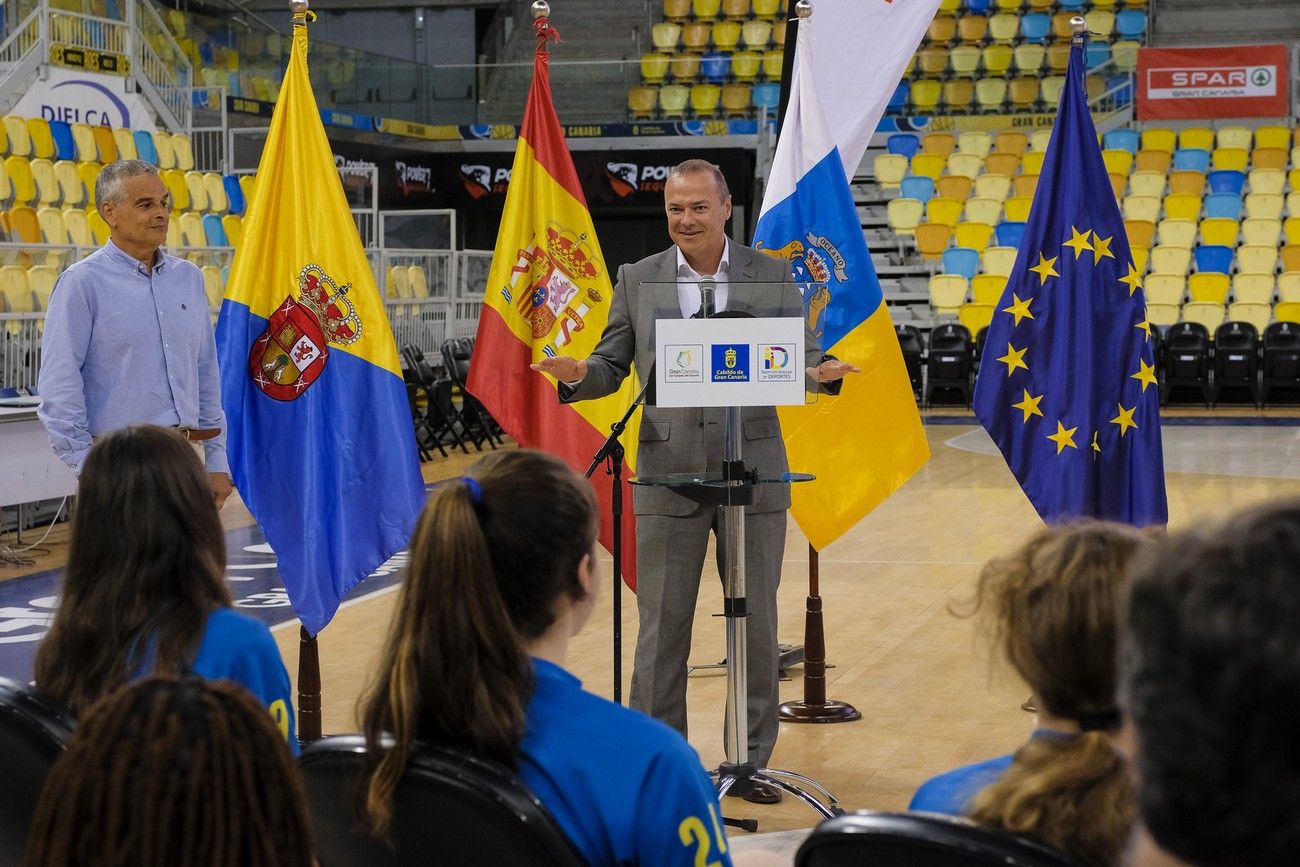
{"x": 291, "y": 353}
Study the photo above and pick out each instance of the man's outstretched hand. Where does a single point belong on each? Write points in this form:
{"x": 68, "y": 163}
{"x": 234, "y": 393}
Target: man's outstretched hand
{"x": 562, "y": 368}
{"x": 829, "y": 370}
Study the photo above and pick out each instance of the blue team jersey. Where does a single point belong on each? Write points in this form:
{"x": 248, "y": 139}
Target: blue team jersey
{"x": 952, "y": 791}
{"x": 626, "y": 789}
{"x": 238, "y": 648}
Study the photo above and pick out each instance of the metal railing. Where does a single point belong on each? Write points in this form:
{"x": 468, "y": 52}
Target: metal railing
{"x": 81, "y": 30}
{"x": 1113, "y": 107}
{"x": 158, "y": 60}
{"x": 19, "y": 54}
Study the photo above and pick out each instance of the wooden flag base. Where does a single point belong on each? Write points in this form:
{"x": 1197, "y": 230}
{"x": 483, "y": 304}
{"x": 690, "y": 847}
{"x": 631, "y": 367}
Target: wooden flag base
{"x": 815, "y": 707}
{"x": 308, "y": 688}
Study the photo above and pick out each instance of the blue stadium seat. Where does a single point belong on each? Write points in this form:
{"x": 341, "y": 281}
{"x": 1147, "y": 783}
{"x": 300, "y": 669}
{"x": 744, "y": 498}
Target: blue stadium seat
{"x": 234, "y": 194}
{"x": 1192, "y": 159}
{"x": 1131, "y": 24}
{"x": 1123, "y": 139}
{"x": 1226, "y": 181}
{"x": 917, "y": 187}
{"x": 898, "y": 102}
{"x": 1034, "y": 26}
{"x": 961, "y": 260}
{"x": 905, "y": 143}
{"x": 205, "y": 54}
{"x": 1071, "y": 5}
{"x": 213, "y": 231}
{"x": 714, "y": 67}
{"x": 1010, "y": 233}
{"x": 767, "y": 94}
{"x": 1226, "y": 205}
{"x": 1210, "y": 257}
{"x": 144, "y": 146}
{"x": 64, "y": 147}
{"x": 979, "y": 7}
{"x": 1098, "y": 53}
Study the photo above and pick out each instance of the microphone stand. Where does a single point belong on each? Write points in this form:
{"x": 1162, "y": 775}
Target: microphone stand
{"x": 612, "y": 451}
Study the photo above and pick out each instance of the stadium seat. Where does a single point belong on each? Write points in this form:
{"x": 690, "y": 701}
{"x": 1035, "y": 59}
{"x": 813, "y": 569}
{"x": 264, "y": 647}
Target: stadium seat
{"x": 1131, "y": 24}
{"x": 1254, "y": 314}
{"x": 1022, "y": 93}
{"x": 1261, "y": 230}
{"x": 746, "y": 65}
{"x": 1204, "y": 313}
{"x": 715, "y": 67}
{"x": 1027, "y": 58}
{"x": 1287, "y": 311}
{"x": 1230, "y": 159}
{"x": 1016, "y": 208}
{"x": 84, "y": 139}
{"x": 192, "y": 231}
{"x": 18, "y": 137}
{"x": 1226, "y": 181}
{"x": 736, "y": 99}
{"x": 975, "y": 142}
{"x": 1144, "y": 208}
{"x": 1178, "y": 232}
{"x": 1162, "y": 314}
{"x": 1122, "y": 139}
{"x": 1223, "y": 205}
{"x": 214, "y": 234}
{"x": 1266, "y": 181}
{"x": 705, "y": 99}
{"x": 1235, "y": 137}
{"x": 216, "y": 190}
{"x": 685, "y": 67}
{"x": 1268, "y": 158}
{"x": 24, "y": 226}
{"x": 964, "y": 60}
{"x": 1140, "y": 233}
{"x": 961, "y": 260}
{"x": 1256, "y": 258}
{"x": 696, "y": 36}
{"x": 998, "y": 163}
{"x": 1117, "y": 161}
{"x": 1220, "y": 231}
{"x": 1253, "y": 288}
{"x": 1098, "y": 54}
{"x": 941, "y": 143}
{"x": 1004, "y": 27}
{"x": 932, "y": 239}
{"x": 897, "y": 103}
{"x": 233, "y": 226}
{"x": 983, "y": 211}
{"x": 1182, "y": 206}
{"x": 1061, "y": 27}
{"x": 930, "y": 165}
{"x": 65, "y": 145}
{"x": 1147, "y": 184}
{"x": 952, "y": 186}
{"x": 677, "y": 10}
{"x": 641, "y": 100}
{"x": 987, "y": 288}
{"x": 996, "y": 187}
{"x": 1125, "y": 54}
{"x": 50, "y": 220}
{"x": 97, "y": 226}
{"x": 1149, "y": 160}
{"x": 916, "y": 187}
{"x": 1208, "y": 286}
{"x": 1186, "y": 183}
{"x": 145, "y": 147}
{"x": 71, "y": 190}
{"x": 1290, "y": 257}
{"x": 1192, "y": 159}
{"x": 947, "y": 293}
{"x": 1210, "y": 257}
{"x": 965, "y": 165}
{"x": 772, "y": 64}
{"x": 998, "y": 260}
{"x": 975, "y": 316}
{"x": 944, "y": 211}
{"x": 1031, "y": 163}
{"x": 767, "y": 97}
{"x": 1101, "y": 23}
{"x": 996, "y": 59}
{"x": 123, "y": 145}
{"x": 1164, "y": 289}
{"x": 1168, "y": 259}
{"x": 906, "y": 144}
{"x": 666, "y": 36}
{"x": 1291, "y": 229}
{"x": 47, "y": 186}
{"x": 1010, "y": 233}
{"x": 654, "y": 67}
{"x": 904, "y": 215}
{"x": 198, "y": 191}
{"x": 1288, "y": 286}
{"x": 42, "y": 139}
{"x": 1049, "y": 91}
{"x": 1199, "y": 137}
{"x": 1034, "y": 26}
{"x": 672, "y": 102}
{"x": 726, "y": 36}
{"x": 972, "y": 235}
{"x": 889, "y": 169}
{"x": 925, "y": 94}
{"x": 990, "y": 95}
{"x": 756, "y": 34}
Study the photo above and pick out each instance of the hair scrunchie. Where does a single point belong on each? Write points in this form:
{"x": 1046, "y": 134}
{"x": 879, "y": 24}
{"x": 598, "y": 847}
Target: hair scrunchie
{"x": 475, "y": 489}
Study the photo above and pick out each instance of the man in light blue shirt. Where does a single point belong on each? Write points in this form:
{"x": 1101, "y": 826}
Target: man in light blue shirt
{"x": 128, "y": 338}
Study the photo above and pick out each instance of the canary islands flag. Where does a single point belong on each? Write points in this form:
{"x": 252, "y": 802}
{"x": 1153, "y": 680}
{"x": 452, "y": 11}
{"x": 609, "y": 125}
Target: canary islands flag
{"x": 548, "y": 293}
{"x": 867, "y": 441}
{"x": 321, "y": 444}
{"x": 1066, "y": 385}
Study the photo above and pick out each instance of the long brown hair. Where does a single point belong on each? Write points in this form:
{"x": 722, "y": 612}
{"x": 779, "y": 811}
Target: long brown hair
{"x": 170, "y": 771}
{"x": 492, "y": 554}
{"x": 1054, "y": 608}
{"x": 146, "y": 566}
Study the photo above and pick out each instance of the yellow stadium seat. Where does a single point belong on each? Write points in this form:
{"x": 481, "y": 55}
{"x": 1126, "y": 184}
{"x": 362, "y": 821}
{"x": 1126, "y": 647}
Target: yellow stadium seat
{"x": 1049, "y": 91}
{"x": 162, "y": 143}
{"x": 1002, "y": 163}
{"x": 973, "y": 235}
{"x": 672, "y": 100}
{"x": 684, "y": 67}
{"x": 71, "y": 189}
{"x": 74, "y": 220}
{"x": 1011, "y": 142}
{"x": 125, "y": 144}
{"x": 964, "y": 60}
{"x": 1290, "y": 257}
{"x": 1199, "y": 137}
{"x": 905, "y": 215}
{"x": 216, "y": 190}
{"x": 51, "y": 223}
{"x": 654, "y": 67}
{"x": 1256, "y": 258}
{"x": 1291, "y": 229}
{"x": 174, "y": 240}
{"x": 41, "y": 280}
{"x": 1257, "y": 315}
{"x": 1125, "y": 54}
{"x": 18, "y": 138}
{"x": 89, "y": 173}
{"x": 1004, "y": 27}
{"x": 943, "y": 211}
{"x": 987, "y": 288}
{"x": 996, "y": 58}
{"x": 233, "y": 225}
{"x": 1164, "y": 289}
{"x": 1183, "y": 207}
{"x": 1288, "y": 286}
{"x": 726, "y": 36}
{"x": 1140, "y": 233}
{"x": 736, "y": 99}
{"x": 925, "y": 94}
{"x": 941, "y": 143}
{"x": 976, "y": 317}
{"x": 641, "y": 101}
{"x": 191, "y": 226}
{"x": 1147, "y": 184}
{"x": 1253, "y": 288}
{"x": 1261, "y": 230}
{"x": 966, "y": 165}
{"x": 1117, "y": 160}
{"x": 1177, "y": 232}
{"x": 971, "y": 29}
{"x": 954, "y": 187}
{"x": 737, "y": 10}
{"x": 197, "y": 189}
{"x": 666, "y": 36}
{"x": 212, "y": 285}
{"x": 1031, "y": 163}
{"x": 1159, "y": 139}
{"x": 947, "y": 293}
{"x": 1187, "y": 183}
{"x": 983, "y": 211}
{"x": 47, "y": 186}
{"x": 42, "y": 139}
{"x": 1017, "y": 208}
{"x": 1022, "y": 93}
{"x": 1229, "y": 159}
{"x": 1028, "y": 58}
{"x": 1235, "y": 137}
{"x": 183, "y": 151}
{"x": 97, "y": 226}
{"x": 890, "y": 169}
{"x": 248, "y": 186}
{"x": 932, "y": 239}
{"x": 84, "y": 139}
{"x": 756, "y": 34}
{"x": 745, "y": 65}
{"x": 998, "y": 260}
{"x": 1273, "y": 137}
{"x": 1101, "y": 23}
{"x": 990, "y": 94}
{"x": 1118, "y": 184}
{"x": 996, "y": 187}
{"x": 1162, "y": 314}
{"x": 929, "y": 165}
{"x": 1141, "y": 208}
{"x": 1268, "y": 158}
{"x": 1204, "y": 312}
{"x": 1153, "y": 160}
{"x": 1039, "y": 140}
{"x": 1208, "y": 286}
{"x": 772, "y": 62}
{"x": 975, "y": 142}
{"x": 1221, "y": 231}
{"x": 19, "y": 171}
{"x": 1266, "y": 181}
{"x": 677, "y": 10}
{"x": 1287, "y": 311}
{"x": 1166, "y": 259}
{"x": 176, "y": 187}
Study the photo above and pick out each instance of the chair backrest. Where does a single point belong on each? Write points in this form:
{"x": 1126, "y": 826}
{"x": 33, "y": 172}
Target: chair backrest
{"x": 456, "y": 354}
{"x": 918, "y": 840}
{"x": 449, "y": 804}
{"x": 33, "y": 732}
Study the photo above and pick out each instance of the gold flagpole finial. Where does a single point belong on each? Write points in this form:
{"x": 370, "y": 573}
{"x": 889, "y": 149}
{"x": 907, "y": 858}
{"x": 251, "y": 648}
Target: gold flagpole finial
{"x": 541, "y": 9}
{"x": 803, "y": 9}
{"x": 1079, "y": 28}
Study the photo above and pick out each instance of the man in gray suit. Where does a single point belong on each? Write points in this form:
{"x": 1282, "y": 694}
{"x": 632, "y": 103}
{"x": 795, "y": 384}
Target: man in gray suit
{"x": 672, "y": 532}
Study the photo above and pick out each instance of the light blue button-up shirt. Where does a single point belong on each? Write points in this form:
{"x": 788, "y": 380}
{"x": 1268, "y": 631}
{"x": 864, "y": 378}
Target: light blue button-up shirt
{"x": 122, "y": 347}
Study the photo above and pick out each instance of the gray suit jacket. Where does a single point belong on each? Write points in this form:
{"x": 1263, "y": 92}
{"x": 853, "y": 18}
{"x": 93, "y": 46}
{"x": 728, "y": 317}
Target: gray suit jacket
{"x": 680, "y": 440}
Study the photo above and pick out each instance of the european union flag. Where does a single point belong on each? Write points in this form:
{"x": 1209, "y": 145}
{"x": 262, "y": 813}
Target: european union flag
{"x": 1067, "y": 387}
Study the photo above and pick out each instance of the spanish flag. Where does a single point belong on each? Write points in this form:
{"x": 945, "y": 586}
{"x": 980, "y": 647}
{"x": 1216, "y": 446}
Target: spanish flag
{"x": 548, "y": 293}
{"x": 321, "y": 444}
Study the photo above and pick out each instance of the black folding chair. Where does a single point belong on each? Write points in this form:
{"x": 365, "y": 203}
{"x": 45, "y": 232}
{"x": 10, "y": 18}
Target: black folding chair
{"x": 1281, "y": 358}
{"x": 450, "y": 808}
{"x": 1187, "y": 360}
{"x": 441, "y": 420}
{"x": 480, "y": 427}
{"x": 1236, "y": 360}
{"x": 949, "y": 361}
{"x": 919, "y": 840}
{"x": 34, "y": 730}
{"x": 913, "y": 348}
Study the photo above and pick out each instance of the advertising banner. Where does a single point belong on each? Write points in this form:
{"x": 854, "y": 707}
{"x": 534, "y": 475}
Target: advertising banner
{"x": 1186, "y": 83}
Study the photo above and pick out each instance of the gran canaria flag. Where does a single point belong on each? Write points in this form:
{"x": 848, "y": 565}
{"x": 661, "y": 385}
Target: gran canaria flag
{"x": 867, "y": 441}
{"x": 321, "y": 444}
{"x": 1065, "y": 387}
{"x": 548, "y": 293}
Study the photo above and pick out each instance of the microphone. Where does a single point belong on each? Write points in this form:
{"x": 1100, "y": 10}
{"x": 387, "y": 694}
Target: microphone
{"x": 707, "y": 304}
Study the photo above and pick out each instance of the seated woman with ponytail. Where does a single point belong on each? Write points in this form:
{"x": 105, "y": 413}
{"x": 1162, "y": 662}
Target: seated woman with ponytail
{"x": 1054, "y": 608}
{"x": 503, "y": 573}
{"x": 145, "y": 587}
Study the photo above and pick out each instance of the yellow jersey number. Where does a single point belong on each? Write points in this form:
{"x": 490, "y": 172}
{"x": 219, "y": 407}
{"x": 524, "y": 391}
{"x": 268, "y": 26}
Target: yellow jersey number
{"x": 693, "y": 833}
{"x": 280, "y": 716}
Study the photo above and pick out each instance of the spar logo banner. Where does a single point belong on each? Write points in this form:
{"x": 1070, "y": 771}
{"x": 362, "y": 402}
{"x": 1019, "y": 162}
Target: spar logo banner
{"x": 1181, "y": 83}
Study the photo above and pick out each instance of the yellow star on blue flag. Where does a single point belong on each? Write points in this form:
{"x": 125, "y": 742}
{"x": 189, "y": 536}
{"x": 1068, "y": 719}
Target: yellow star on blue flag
{"x": 1087, "y": 335}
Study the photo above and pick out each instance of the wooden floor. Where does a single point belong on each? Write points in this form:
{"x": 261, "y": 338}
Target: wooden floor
{"x": 930, "y": 693}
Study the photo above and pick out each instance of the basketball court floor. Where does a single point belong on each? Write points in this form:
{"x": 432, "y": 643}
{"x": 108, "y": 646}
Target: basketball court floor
{"x": 931, "y": 692}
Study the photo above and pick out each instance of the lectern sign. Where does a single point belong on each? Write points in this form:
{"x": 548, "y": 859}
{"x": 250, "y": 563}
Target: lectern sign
{"x": 729, "y": 362}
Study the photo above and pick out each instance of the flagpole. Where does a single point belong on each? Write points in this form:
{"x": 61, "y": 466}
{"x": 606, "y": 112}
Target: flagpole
{"x": 815, "y": 707}
{"x": 309, "y": 688}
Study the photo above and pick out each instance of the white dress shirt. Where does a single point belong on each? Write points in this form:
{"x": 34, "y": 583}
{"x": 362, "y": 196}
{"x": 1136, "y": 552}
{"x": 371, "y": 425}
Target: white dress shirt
{"x": 688, "y": 284}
